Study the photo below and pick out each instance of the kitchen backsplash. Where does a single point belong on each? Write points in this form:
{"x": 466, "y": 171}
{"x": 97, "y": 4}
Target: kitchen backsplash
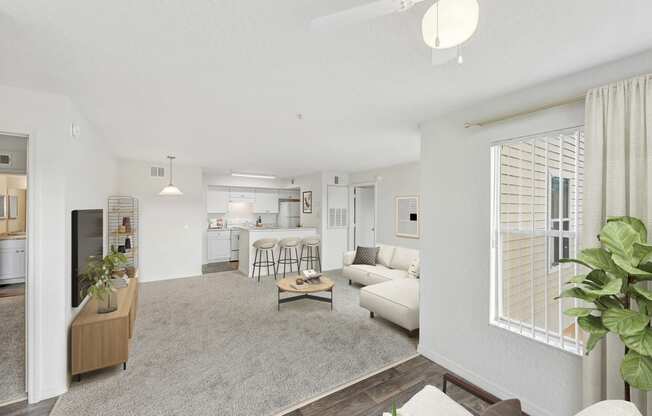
{"x": 244, "y": 216}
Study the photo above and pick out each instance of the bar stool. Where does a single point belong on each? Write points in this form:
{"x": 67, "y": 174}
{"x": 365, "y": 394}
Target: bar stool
{"x": 264, "y": 246}
{"x": 285, "y": 246}
{"x": 311, "y": 245}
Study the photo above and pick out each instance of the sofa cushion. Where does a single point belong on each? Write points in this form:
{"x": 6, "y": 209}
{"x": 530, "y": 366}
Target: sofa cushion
{"x": 366, "y": 255}
{"x": 403, "y": 257}
{"x": 511, "y": 407}
{"x": 388, "y": 274}
{"x": 432, "y": 401}
{"x": 396, "y": 300}
{"x": 611, "y": 408}
{"x": 385, "y": 254}
{"x": 361, "y": 273}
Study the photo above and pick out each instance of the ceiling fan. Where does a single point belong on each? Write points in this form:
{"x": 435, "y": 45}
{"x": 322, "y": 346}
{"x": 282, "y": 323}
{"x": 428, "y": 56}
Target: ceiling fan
{"x": 445, "y": 26}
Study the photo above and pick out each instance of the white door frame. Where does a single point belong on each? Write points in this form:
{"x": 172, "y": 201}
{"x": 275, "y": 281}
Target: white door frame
{"x": 352, "y": 211}
{"x": 31, "y": 307}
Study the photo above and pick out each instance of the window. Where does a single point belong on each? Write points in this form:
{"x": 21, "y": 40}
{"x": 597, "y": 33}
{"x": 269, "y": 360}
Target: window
{"x": 537, "y": 185}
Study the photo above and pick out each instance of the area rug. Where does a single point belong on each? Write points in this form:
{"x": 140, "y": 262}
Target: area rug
{"x": 216, "y": 345}
{"x": 12, "y": 348}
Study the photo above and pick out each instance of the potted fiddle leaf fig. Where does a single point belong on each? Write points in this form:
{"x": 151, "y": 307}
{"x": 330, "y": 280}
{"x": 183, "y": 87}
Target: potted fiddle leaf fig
{"x": 617, "y": 299}
{"x": 99, "y": 272}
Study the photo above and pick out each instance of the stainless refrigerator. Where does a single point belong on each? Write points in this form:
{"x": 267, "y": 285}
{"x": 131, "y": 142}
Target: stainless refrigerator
{"x": 289, "y": 214}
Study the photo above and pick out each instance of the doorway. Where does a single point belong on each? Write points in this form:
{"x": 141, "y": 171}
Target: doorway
{"x": 13, "y": 267}
{"x": 364, "y": 214}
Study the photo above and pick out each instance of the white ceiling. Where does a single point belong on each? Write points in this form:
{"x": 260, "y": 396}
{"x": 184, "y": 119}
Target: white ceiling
{"x": 219, "y": 83}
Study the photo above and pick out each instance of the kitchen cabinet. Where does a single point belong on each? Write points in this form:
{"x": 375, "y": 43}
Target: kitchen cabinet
{"x": 217, "y": 200}
{"x": 218, "y": 246}
{"x": 12, "y": 261}
{"x": 289, "y": 194}
{"x": 266, "y": 201}
{"x": 242, "y": 195}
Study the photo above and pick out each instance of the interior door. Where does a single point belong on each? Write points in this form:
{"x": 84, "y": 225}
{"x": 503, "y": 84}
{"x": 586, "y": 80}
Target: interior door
{"x": 365, "y": 216}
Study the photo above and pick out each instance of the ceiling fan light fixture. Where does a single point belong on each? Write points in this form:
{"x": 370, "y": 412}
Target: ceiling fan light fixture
{"x": 449, "y": 23}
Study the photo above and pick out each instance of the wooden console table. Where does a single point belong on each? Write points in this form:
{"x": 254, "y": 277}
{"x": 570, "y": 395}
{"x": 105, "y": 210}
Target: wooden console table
{"x": 103, "y": 340}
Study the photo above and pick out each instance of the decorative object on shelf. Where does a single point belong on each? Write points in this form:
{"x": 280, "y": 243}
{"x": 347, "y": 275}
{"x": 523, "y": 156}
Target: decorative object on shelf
{"x": 307, "y": 202}
{"x": 123, "y": 232}
{"x": 407, "y": 216}
{"x": 619, "y": 270}
{"x": 99, "y": 274}
{"x": 131, "y": 272}
{"x": 170, "y": 189}
{"x": 126, "y": 222}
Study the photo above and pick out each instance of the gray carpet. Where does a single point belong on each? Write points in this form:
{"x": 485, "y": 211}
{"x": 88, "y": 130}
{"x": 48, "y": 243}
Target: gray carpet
{"x": 215, "y": 345}
{"x": 12, "y": 348}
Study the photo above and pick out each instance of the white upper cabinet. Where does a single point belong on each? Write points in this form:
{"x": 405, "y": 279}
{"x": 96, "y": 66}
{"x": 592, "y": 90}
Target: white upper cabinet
{"x": 289, "y": 194}
{"x": 217, "y": 200}
{"x": 242, "y": 195}
{"x": 266, "y": 201}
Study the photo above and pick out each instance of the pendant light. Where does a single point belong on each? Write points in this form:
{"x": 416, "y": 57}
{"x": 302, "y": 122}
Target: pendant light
{"x": 171, "y": 190}
{"x": 450, "y": 23}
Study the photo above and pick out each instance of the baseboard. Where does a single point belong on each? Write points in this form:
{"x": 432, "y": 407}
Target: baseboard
{"x": 529, "y": 407}
{"x": 12, "y": 401}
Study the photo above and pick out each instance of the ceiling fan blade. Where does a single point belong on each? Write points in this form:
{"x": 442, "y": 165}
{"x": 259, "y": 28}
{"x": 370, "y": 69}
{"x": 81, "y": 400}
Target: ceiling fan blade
{"x": 443, "y": 56}
{"x": 357, "y": 14}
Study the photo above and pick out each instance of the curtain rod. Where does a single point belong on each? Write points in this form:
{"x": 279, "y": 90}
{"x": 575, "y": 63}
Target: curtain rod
{"x": 483, "y": 123}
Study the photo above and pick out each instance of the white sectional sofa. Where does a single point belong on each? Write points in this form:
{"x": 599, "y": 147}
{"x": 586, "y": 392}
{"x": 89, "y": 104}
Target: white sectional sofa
{"x": 391, "y": 286}
{"x": 432, "y": 401}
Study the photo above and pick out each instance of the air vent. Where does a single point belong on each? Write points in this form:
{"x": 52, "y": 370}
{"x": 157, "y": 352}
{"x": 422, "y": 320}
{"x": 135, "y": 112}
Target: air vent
{"x": 337, "y": 217}
{"x": 156, "y": 172}
{"x": 5, "y": 160}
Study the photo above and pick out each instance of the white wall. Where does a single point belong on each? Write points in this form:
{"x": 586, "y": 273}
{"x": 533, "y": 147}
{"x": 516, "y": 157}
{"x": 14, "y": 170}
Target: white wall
{"x": 397, "y": 180}
{"x": 56, "y": 165}
{"x": 171, "y": 227}
{"x": 312, "y": 183}
{"x": 455, "y": 280}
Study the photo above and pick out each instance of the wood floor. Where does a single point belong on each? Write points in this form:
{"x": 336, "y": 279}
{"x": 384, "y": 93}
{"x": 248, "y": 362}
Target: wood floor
{"x": 23, "y": 409}
{"x": 376, "y": 394}
{"x": 225, "y": 266}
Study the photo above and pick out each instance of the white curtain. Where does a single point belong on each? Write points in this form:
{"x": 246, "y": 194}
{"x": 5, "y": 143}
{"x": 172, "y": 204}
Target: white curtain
{"x": 618, "y": 181}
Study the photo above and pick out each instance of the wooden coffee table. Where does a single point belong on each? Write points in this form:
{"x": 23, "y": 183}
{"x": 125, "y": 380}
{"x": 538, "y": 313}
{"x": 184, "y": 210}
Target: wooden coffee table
{"x": 304, "y": 291}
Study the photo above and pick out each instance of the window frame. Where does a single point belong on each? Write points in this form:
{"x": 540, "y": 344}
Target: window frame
{"x": 564, "y": 339}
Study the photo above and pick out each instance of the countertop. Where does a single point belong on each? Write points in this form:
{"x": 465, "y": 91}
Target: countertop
{"x": 264, "y": 228}
{"x": 273, "y": 228}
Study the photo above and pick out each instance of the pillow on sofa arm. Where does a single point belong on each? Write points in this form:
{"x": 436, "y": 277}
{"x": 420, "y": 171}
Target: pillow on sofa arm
{"x": 414, "y": 271}
{"x": 347, "y": 258}
{"x": 366, "y": 255}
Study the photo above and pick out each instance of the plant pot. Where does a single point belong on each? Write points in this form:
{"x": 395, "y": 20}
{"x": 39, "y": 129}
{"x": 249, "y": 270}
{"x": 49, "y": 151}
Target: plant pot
{"x": 108, "y": 304}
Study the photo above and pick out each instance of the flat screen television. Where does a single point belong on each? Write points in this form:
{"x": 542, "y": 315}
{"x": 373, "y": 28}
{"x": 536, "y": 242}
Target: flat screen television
{"x": 87, "y": 242}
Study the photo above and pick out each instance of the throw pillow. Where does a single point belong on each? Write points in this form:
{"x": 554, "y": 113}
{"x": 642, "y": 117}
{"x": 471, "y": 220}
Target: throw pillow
{"x": 366, "y": 255}
{"x": 385, "y": 254}
{"x": 415, "y": 269}
{"x": 511, "y": 407}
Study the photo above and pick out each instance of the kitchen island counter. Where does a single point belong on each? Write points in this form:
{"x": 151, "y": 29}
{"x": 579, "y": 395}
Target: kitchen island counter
{"x": 248, "y": 235}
